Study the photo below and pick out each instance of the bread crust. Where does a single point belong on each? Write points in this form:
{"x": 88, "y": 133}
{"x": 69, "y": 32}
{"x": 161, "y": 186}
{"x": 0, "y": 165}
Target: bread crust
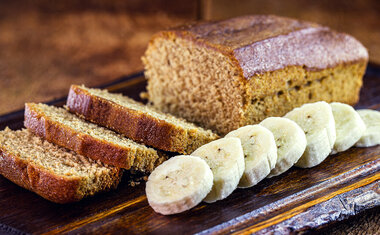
{"x": 260, "y": 50}
{"x": 29, "y": 176}
{"x": 136, "y": 125}
{"x": 243, "y": 40}
{"x": 55, "y": 188}
{"x": 82, "y": 143}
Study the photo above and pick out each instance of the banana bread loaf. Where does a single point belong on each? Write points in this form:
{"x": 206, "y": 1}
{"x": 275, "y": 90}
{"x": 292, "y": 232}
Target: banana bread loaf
{"x": 59, "y": 126}
{"x": 226, "y": 74}
{"x": 57, "y": 174}
{"x": 137, "y": 121}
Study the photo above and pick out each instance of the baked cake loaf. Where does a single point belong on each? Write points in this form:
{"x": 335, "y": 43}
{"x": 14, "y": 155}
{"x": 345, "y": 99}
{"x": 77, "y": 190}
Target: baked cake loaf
{"x": 136, "y": 120}
{"x": 57, "y": 174}
{"x": 59, "y": 126}
{"x": 227, "y": 74}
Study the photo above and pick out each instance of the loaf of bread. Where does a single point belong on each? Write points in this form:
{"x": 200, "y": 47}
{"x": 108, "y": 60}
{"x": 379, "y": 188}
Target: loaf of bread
{"x": 227, "y": 74}
{"x": 59, "y": 126}
{"x": 137, "y": 121}
{"x": 57, "y": 174}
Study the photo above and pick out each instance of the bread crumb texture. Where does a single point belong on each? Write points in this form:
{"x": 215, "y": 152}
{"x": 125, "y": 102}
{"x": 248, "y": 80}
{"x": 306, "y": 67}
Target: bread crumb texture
{"x": 53, "y": 172}
{"x": 215, "y": 74}
{"x": 92, "y": 140}
{"x": 137, "y": 121}
{"x": 194, "y": 82}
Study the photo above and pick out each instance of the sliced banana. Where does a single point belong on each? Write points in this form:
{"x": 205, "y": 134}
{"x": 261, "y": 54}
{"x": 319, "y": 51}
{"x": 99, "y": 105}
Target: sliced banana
{"x": 348, "y": 125}
{"x": 290, "y": 141}
{"x": 317, "y": 121}
{"x": 178, "y": 184}
{"x": 371, "y": 136}
{"x": 226, "y": 160}
{"x": 260, "y": 153}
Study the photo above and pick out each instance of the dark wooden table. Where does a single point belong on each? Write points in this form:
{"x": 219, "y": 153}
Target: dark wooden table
{"x": 299, "y": 200}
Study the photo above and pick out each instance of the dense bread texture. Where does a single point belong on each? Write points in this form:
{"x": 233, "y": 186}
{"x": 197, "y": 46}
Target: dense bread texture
{"x": 227, "y": 74}
{"x": 137, "y": 121}
{"x": 57, "y": 174}
{"x": 63, "y": 128}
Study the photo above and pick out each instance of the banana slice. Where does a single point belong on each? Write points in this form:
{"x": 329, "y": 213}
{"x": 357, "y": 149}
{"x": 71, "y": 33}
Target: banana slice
{"x": 371, "y": 136}
{"x": 348, "y": 125}
{"x": 226, "y": 160}
{"x": 290, "y": 141}
{"x": 317, "y": 121}
{"x": 178, "y": 184}
{"x": 260, "y": 153}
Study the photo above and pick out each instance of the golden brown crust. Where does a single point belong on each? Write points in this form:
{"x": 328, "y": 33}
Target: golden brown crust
{"x": 262, "y": 43}
{"x": 136, "y": 125}
{"x": 81, "y": 143}
{"x": 49, "y": 186}
{"x": 263, "y": 52}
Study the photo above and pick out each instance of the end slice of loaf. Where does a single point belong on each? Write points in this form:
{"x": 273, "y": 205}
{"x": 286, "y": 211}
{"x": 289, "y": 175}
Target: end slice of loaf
{"x": 57, "y": 174}
{"x": 235, "y": 72}
{"x": 137, "y": 121}
{"x": 59, "y": 126}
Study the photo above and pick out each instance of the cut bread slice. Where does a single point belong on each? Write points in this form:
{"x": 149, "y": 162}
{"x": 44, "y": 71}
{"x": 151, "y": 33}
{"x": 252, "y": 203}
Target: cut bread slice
{"x": 137, "y": 121}
{"x": 65, "y": 129}
{"x": 57, "y": 174}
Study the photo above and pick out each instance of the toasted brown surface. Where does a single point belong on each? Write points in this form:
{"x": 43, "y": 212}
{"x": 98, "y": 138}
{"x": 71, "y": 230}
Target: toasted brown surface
{"x": 52, "y": 172}
{"x": 59, "y": 126}
{"x": 264, "y": 43}
{"x": 137, "y": 121}
{"x": 222, "y": 75}
{"x": 359, "y": 18}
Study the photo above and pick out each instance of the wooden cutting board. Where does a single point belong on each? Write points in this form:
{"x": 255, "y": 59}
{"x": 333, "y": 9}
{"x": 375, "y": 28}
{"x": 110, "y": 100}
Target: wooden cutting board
{"x": 299, "y": 200}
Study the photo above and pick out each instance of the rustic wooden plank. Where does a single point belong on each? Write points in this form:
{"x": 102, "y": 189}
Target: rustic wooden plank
{"x": 267, "y": 204}
{"x": 285, "y": 203}
{"x": 277, "y": 220}
{"x": 338, "y": 208}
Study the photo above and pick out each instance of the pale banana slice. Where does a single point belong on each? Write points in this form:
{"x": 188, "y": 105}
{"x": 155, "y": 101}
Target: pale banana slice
{"x": 260, "y": 153}
{"x": 178, "y": 184}
{"x": 371, "y": 136}
{"x": 290, "y": 141}
{"x": 317, "y": 121}
{"x": 226, "y": 160}
{"x": 348, "y": 125}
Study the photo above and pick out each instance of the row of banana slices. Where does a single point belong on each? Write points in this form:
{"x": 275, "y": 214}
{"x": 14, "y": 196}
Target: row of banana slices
{"x": 304, "y": 137}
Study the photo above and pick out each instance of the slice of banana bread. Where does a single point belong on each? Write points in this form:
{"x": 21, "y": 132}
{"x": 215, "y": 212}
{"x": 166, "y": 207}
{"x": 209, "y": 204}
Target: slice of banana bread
{"x": 63, "y": 128}
{"x": 227, "y": 74}
{"x": 136, "y": 120}
{"x": 57, "y": 174}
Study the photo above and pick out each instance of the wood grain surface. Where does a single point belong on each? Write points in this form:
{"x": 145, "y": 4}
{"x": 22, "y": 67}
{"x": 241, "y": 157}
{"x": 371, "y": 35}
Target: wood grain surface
{"x": 299, "y": 200}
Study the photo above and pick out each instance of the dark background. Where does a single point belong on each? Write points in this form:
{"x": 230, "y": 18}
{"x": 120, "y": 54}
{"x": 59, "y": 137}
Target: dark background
{"x": 47, "y": 45}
